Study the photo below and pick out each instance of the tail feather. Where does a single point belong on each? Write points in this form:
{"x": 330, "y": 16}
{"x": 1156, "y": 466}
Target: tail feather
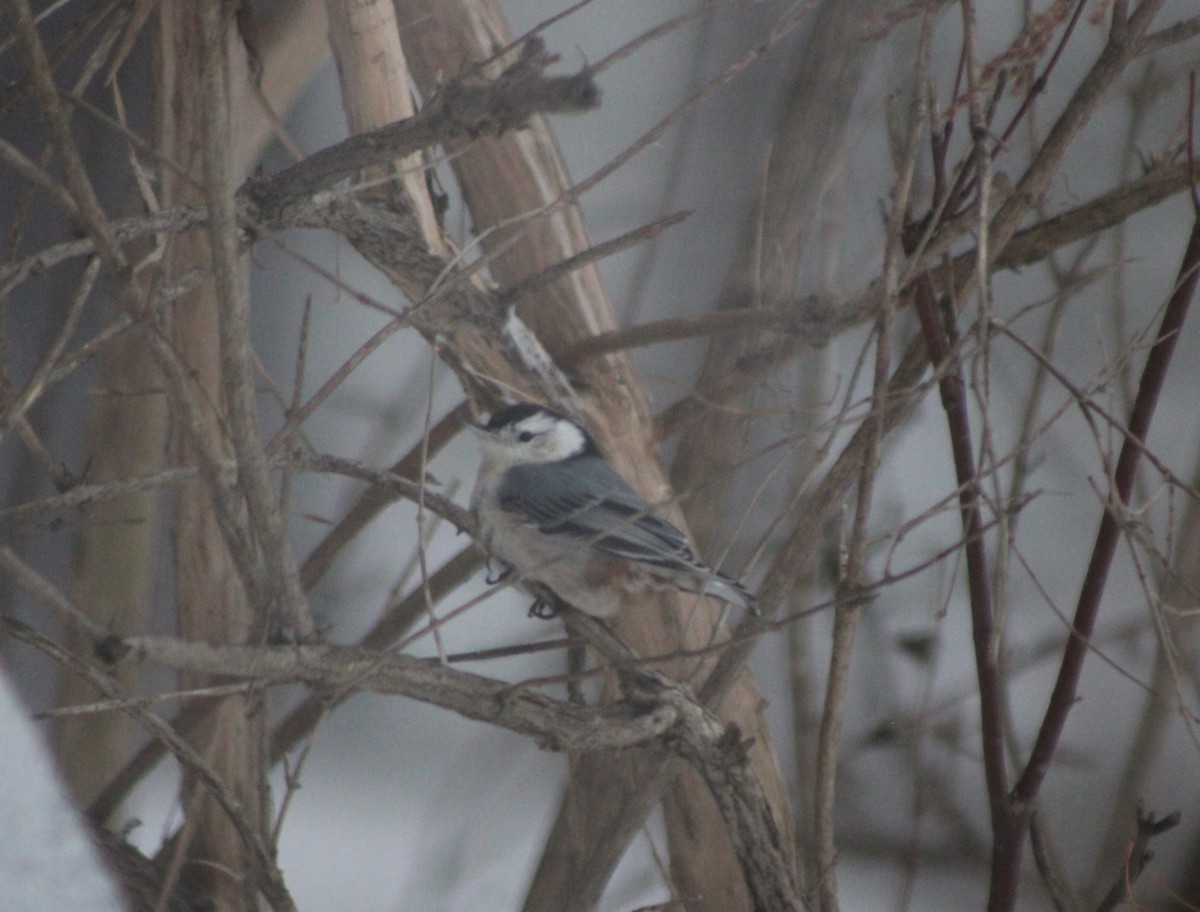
{"x": 727, "y": 590}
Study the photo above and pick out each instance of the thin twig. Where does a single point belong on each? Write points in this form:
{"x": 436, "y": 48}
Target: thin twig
{"x": 462, "y": 519}
{"x": 297, "y": 416}
{"x": 116, "y": 704}
{"x": 592, "y": 255}
{"x": 1137, "y": 856}
{"x": 811, "y": 319}
{"x": 90, "y": 213}
{"x": 284, "y": 602}
{"x": 37, "y": 382}
{"x": 47, "y": 595}
{"x": 846, "y": 616}
{"x": 81, "y": 495}
{"x": 269, "y": 877}
{"x": 373, "y": 501}
{"x": 1055, "y": 886}
{"x": 1108, "y": 535}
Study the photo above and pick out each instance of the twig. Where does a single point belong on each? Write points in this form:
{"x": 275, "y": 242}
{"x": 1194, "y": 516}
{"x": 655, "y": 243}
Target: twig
{"x": 555, "y": 724}
{"x": 283, "y": 598}
{"x": 1108, "y": 535}
{"x": 631, "y": 47}
{"x": 462, "y": 519}
{"x": 984, "y": 635}
{"x": 130, "y": 229}
{"x": 16, "y": 93}
{"x": 591, "y": 255}
{"x": 1137, "y": 857}
{"x": 1055, "y": 886}
{"x": 811, "y": 319}
{"x": 941, "y": 343}
{"x": 35, "y": 176}
{"x": 90, "y": 214}
{"x": 47, "y": 595}
{"x": 846, "y": 616}
{"x": 373, "y": 501}
{"x": 1088, "y": 406}
{"x": 1039, "y": 84}
{"x": 82, "y": 495}
{"x": 458, "y": 109}
{"x": 118, "y": 704}
{"x": 298, "y": 379}
{"x": 1170, "y": 36}
{"x": 423, "y": 533}
{"x": 62, "y": 477}
{"x": 533, "y": 32}
{"x": 225, "y": 499}
{"x": 269, "y": 877}
{"x": 297, "y": 416}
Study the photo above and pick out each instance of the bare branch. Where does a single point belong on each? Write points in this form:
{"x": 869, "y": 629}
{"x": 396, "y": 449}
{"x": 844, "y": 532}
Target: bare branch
{"x": 722, "y": 758}
{"x": 591, "y": 255}
{"x": 555, "y": 724}
{"x": 1137, "y": 856}
{"x": 268, "y": 876}
{"x": 1108, "y": 535}
{"x": 458, "y": 109}
{"x": 463, "y": 520}
{"x": 280, "y": 593}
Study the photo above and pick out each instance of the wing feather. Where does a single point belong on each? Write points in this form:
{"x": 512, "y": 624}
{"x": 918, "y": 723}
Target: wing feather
{"x": 585, "y": 499}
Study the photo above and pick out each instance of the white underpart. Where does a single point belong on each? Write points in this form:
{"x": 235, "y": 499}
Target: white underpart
{"x": 562, "y": 565}
{"x": 573, "y": 568}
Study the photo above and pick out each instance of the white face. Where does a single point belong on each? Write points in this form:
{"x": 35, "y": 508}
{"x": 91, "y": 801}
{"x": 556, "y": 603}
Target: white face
{"x": 540, "y": 437}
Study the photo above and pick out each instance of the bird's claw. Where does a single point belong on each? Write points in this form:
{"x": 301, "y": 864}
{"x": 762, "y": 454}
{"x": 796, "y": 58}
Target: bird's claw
{"x": 543, "y": 610}
{"x": 495, "y": 577}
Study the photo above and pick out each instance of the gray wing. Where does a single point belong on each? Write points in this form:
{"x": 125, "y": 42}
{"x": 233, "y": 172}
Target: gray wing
{"x": 584, "y": 499}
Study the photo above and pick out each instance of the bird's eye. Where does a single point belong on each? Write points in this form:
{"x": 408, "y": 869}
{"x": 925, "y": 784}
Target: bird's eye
{"x": 525, "y": 436}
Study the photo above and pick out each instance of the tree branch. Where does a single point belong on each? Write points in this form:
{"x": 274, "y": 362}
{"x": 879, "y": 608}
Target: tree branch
{"x": 554, "y": 724}
{"x": 461, "y": 108}
{"x": 268, "y": 877}
{"x": 1062, "y": 698}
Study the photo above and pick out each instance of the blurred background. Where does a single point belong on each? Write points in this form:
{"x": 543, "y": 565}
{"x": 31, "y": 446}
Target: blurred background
{"x": 393, "y": 804}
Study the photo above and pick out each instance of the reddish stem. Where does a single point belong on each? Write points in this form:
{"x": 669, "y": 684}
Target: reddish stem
{"x": 939, "y": 343}
{"x": 1108, "y": 535}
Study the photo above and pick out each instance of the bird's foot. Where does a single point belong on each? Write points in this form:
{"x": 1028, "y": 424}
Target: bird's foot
{"x": 543, "y": 610}
{"x": 495, "y": 577}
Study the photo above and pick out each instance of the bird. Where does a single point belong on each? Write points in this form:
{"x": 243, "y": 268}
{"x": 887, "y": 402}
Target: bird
{"x": 552, "y": 509}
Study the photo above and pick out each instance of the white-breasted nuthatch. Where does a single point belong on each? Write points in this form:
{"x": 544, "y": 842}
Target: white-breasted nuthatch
{"x": 552, "y": 509}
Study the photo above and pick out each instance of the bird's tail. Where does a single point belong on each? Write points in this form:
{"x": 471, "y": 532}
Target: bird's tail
{"x": 727, "y": 590}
